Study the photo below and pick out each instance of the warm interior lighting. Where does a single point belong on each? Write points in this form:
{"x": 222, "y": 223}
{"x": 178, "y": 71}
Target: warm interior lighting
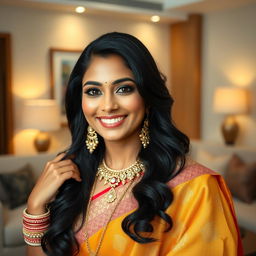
{"x": 28, "y": 91}
{"x": 240, "y": 72}
{"x": 230, "y": 101}
{"x": 42, "y": 115}
{"x": 23, "y": 140}
{"x": 155, "y": 18}
{"x": 243, "y": 79}
{"x": 80, "y": 9}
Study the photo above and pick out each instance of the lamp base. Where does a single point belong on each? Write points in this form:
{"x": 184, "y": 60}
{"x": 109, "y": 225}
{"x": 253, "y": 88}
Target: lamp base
{"x": 230, "y": 130}
{"x": 42, "y": 141}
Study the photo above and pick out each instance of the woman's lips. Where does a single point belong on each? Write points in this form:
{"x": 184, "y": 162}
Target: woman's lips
{"x": 111, "y": 122}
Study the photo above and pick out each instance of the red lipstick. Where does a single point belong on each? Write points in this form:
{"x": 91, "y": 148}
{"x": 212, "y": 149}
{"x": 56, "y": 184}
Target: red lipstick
{"x": 116, "y": 121}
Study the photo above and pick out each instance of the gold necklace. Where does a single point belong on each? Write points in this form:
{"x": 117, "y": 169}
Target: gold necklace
{"x": 91, "y": 253}
{"x": 114, "y": 177}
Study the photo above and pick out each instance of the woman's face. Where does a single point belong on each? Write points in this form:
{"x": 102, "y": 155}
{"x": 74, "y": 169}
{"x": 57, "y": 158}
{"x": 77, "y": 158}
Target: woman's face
{"x": 111, "y": 102}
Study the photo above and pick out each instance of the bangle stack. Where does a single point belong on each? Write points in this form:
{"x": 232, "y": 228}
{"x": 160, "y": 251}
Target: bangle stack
{"x": 34, "y": 227}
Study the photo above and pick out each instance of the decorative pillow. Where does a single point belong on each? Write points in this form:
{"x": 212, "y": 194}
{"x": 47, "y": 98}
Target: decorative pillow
{"x": 3, "y": 195}
{"x": 241, "y": 179}
{"x": 216, "y": 163}
{"x": 16, "y": 186}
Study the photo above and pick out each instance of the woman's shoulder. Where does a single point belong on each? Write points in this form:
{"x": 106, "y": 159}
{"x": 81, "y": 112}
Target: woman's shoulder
{"x": 198, "y": 182}
{"x": 190, "y": 172}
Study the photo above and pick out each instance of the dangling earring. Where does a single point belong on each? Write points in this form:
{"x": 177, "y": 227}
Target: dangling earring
{"x": 144, "y": 134}
{"x": 92, "y": 139}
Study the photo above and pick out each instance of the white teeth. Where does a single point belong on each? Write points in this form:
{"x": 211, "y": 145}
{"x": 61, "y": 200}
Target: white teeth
{"x": 112, "y": 121}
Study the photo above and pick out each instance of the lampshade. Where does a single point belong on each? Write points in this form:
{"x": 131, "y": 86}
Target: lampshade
{"x": 43, "y": 115}
{"x": 230, "y": 100}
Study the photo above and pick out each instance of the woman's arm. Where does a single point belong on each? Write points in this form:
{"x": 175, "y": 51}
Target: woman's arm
{"x": 35, "y": 250}
{"x": 32, "y": 251}
{"x": 55, "y": 173}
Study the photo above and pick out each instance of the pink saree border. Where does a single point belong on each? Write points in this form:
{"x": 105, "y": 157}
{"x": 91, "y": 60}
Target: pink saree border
{"x": 190, "y": 172}
{"x": 100, "y": 210}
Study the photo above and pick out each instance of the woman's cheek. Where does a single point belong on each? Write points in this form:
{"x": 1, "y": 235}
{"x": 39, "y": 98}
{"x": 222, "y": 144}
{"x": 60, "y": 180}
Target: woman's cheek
{"x": 89, "y": 107}
{"x": 133, "y": 103}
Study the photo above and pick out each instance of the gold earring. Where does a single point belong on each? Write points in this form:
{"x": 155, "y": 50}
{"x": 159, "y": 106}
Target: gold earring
{"x": 144, "y": 134}
{"x": 92, "y": 139}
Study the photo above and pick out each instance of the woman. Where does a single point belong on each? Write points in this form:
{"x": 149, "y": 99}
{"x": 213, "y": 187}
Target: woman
{"x": 125, "y": 186}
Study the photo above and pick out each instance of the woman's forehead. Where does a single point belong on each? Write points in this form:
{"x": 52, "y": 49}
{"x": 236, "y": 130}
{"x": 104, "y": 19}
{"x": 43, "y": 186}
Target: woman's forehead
{"x": 107, "y": 68}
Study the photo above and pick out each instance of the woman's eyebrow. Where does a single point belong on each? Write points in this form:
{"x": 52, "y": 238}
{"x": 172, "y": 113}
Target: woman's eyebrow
{"x": 123, "y": 80}
{"x": 92, "y": 83}
{"x": 114, "y": 83}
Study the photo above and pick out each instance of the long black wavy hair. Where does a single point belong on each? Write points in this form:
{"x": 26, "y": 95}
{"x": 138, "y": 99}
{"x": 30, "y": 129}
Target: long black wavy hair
{"x": 164, "y": 157}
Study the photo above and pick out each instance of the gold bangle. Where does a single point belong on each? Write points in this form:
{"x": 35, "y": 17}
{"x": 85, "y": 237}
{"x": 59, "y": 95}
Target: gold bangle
{"x": 32, "y": 242}
{"x": 36, "y": 216}
{"x": 35, "y": 235}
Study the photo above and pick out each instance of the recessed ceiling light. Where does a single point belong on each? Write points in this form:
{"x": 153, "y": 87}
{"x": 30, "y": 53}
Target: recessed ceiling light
{"x": 155, "y": 18}
{"x": 80, "y": 9}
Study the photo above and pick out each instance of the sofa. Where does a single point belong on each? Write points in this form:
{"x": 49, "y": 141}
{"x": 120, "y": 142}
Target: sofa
{"x": 212, "y": 155}
{"x": 11, "y": 238}
{"x": 218, "y": 158}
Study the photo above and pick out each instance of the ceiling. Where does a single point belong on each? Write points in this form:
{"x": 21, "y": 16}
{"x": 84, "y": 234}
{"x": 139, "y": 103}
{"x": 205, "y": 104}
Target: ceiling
{"x": 169, "y": 10}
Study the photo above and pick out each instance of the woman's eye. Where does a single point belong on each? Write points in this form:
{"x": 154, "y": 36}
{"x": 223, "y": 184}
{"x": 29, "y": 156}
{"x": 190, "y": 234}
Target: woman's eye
{"x": 93, "y": 92}
{"x": 125, "y": 89}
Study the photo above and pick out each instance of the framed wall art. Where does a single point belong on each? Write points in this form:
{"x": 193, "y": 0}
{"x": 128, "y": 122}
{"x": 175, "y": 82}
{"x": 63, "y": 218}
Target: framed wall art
{"x": 62, "y": 62}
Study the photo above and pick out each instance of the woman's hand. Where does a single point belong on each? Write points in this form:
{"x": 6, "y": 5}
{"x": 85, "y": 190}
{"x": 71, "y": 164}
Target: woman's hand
{"x": 55, "y": 173}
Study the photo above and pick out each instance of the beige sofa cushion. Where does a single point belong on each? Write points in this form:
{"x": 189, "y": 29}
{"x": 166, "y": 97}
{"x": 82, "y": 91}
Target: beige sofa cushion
{"x": 13, "y": 226}
{"x": 245, "y": 214}
{"x": 217, "y": 163}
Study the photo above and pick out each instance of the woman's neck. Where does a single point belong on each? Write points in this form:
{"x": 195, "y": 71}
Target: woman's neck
{"x": 120, "y": 155}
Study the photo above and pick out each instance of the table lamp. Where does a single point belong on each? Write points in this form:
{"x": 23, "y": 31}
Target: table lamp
{"x": 44, "y": 115}
{"x": 230, "y": 101}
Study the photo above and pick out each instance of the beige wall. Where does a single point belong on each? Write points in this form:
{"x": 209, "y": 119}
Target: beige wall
{"x": 229, "y": 58}
{"x": 34, "y": 31}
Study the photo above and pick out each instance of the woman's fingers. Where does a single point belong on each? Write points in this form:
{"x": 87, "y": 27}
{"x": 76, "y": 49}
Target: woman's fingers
{"x": 56, "y": 172}
{"x": 58, "y": 157}
{"x": 57, "y": 164}
{"x": 62, "y": 163}
{"x": 63, "y": 166}
{"x": 55, "y": 160}
{"x": 70, "y": 174}
{"x": 74, "y": 173}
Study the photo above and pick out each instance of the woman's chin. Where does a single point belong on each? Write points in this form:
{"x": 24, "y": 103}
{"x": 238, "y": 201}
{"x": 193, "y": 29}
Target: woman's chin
{"x": 113, "y": 139}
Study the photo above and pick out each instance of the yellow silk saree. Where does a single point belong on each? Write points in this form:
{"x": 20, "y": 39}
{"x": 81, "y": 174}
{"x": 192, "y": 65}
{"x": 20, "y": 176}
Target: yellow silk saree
{"x": 203, "y": 217}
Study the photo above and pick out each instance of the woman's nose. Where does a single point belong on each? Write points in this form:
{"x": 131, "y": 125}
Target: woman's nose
{"x": 109, "y": 103}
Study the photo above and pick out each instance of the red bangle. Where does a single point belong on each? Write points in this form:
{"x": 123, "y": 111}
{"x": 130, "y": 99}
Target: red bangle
{"x": 34, "y": 227}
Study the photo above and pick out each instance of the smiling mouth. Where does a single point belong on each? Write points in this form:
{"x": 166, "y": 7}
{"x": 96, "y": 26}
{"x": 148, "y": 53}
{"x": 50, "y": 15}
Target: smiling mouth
{"x": 111, "y": 121}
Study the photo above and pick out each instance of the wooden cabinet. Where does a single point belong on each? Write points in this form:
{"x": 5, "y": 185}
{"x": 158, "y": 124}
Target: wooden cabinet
{"x": 186, "y": 75}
